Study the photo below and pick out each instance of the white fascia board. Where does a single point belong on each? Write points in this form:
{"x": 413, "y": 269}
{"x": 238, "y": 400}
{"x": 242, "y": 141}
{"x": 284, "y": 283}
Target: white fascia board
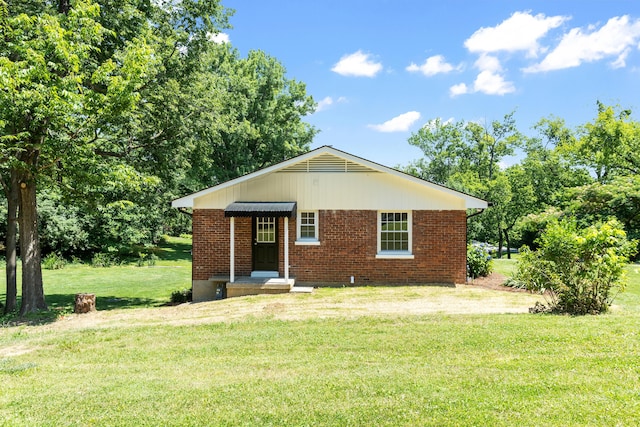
{"x": 470, "y": 201}
{"x": 187, "y": 201}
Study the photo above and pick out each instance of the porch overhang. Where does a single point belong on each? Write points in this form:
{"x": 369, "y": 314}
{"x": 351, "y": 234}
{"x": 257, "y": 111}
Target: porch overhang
{"x": 255, "y": 209}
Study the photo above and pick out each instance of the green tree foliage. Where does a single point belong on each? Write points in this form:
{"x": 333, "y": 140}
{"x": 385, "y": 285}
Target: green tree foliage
{"x": 620, "y": 198}
{"x": 68, "y": 83}
{"x": 466, "y": 156}
{"x": 578, "y": 270}
{"x": 115, "y": 108}
{"x": 609, "y": 146}
{"x": 245, "y": 115}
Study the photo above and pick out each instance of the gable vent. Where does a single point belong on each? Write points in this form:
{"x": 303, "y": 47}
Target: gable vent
{"x": 327, "y": 163}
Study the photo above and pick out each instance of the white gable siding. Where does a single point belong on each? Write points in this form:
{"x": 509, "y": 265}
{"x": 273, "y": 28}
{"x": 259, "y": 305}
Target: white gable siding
{"x": 334, "y": 191}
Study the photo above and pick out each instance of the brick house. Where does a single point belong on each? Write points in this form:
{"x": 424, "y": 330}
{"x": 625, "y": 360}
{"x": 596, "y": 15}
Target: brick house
{"x": 326, "y": 218}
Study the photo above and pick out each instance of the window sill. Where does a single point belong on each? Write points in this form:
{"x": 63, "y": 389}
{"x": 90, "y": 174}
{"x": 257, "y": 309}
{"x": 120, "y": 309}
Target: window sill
{"x": 383, "y": 255}
{"x": 307, "y": 243}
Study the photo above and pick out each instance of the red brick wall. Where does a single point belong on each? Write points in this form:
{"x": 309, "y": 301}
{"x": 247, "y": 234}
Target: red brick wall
{"x": 348, "y": 245}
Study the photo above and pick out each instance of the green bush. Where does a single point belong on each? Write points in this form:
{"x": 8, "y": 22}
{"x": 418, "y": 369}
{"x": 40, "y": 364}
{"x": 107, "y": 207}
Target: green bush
{"x": 579, "y": 271}
{"x": 181, "y": 296}
{"x": 479, "y": 262}
{"x": 53, "y": 261}
{"x": 104, "y": 259}
{"x": 148, "y": 259}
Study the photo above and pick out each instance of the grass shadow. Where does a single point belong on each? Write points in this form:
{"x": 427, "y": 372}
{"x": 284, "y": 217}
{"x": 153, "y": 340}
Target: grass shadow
{"x": 61, "y": 304}
{"x": 103, "y": 303}
{"x": 175, "y": 249}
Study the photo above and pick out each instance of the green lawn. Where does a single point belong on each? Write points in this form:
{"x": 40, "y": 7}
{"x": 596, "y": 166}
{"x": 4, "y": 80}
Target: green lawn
{"x": 440, "y": 370}
{"x": 124, "y": 286}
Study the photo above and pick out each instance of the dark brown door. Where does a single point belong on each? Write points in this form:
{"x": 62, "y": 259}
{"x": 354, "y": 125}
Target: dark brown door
{"x": 265, "y": 244}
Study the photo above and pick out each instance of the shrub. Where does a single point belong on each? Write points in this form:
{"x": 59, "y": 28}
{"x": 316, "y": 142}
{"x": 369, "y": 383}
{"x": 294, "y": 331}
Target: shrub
{"x": 181, "y": 296}
{"x": 147, "y": 259}
{"x": 479, "y": 262}
{"x": 104, "y": 259}
{"x": 53, "y": 261}
{"x": 579, "y": 271}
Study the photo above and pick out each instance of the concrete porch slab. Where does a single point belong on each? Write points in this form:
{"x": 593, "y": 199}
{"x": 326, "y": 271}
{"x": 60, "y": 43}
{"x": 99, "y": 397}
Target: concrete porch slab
{"x": 258, "y": 285}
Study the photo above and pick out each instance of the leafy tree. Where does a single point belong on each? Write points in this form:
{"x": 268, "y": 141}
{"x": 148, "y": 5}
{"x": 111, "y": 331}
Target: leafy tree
{"x": 618, "y": 199}
{"x": 70, "y": 84}
{"x": 579, "y": 271}
{"x": 609, "y": 146}
{"x": 246, "y": 115}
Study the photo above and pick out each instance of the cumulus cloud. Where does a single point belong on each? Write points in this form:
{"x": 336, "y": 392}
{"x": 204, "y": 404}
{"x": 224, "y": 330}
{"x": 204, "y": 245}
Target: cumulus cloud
{"x": 328, "y": 101}
{"x": 459, "y": 89}
{"x": 488, "y": 63}
{"x": 358, "y": 64}
{"x": 432, "y": 66}
{"x": 218, "y": 38}
{"x": 492, "y": 83}
{"x": 613, "y": 39}
{"x": 400, "y": 123}
{"x": 520, "y": 32}
{"x": 489, "y": 81}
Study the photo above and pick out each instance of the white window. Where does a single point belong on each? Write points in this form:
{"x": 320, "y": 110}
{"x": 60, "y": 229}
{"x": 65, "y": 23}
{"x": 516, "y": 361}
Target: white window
{"x": 307, "y": 228}
{"x": 394, "y": 235}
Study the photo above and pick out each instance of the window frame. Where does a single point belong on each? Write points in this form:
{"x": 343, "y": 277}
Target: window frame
{"x": 395, "y": 254}
{"x": 307, "y": 240}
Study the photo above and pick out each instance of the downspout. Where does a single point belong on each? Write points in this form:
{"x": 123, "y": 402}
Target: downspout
{"x": 479, "y": 211}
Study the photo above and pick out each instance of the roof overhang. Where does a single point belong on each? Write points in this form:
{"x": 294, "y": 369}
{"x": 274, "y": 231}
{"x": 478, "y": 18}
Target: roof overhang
{"x": 470, "y": 202}
{"x": 254, "y": 209}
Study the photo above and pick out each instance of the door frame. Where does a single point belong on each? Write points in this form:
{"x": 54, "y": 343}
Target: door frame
{"x": 275, "y": 246}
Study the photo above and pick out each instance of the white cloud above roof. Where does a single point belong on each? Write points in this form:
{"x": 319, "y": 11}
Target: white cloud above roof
{"x": 400, "y": 123}
{"x": 459, "y": 89}
{"x": 358, "y": 64}
{"x": 520, "y": 32}
{"x": 492, "y": 83}
{"x": 328, "y": 101}
{"x": 614, "y": 39}
{"x": 432, "y": 66}
{"x": 218, "y": 38}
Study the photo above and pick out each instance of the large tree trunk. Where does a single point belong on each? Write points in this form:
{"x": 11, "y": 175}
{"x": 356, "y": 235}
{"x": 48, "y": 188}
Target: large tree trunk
{"x": 500, "y": 242}
{"x": 13, "y": 199}
{"x": 32, "y": 289}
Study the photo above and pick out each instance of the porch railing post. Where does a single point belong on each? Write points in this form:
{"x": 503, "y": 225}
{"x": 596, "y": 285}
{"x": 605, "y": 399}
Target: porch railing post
{"x": 232, "y": 250}
{"x": 286, "y": 248}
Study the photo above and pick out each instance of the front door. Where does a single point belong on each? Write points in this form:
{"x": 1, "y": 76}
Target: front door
{"x": 265, "y": 244}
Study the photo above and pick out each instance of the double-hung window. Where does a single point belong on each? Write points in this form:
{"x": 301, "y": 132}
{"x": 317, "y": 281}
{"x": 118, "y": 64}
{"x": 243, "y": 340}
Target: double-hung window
{"x": 394, "y": 235}
{"x": 307, "y": 228}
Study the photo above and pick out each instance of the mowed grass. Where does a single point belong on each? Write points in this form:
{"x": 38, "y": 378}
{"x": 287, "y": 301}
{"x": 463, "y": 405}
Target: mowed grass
{"x": 389, "y": 370}
{"x": 123, "y": 286}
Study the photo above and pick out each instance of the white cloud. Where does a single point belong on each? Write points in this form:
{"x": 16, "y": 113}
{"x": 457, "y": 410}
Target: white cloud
{"x": 492, "y": 83}
{"x": 489, "y": 81}
{"x": 520, "y": 32}
{"x": 328, "y": 101}
{"x": 218, "y": 38}
{"x": 488, "y": 63}
{"x": 578, "y": 46}
{"x": 459, "y": 89}
{"x": 621, "y": 60}
{"x": 358, "y": 64}
{"x": 401, "y": 123}
{"x": 432, "y": 66}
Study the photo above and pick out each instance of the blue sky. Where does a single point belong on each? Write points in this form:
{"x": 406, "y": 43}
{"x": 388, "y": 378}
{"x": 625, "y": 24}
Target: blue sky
{"x": 380, "y": 69}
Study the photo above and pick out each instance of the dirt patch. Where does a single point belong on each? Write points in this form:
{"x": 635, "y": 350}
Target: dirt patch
{"x": 483, "y": 296}
{"x": 15, "y": 350}
{"x": 495, "y": 281}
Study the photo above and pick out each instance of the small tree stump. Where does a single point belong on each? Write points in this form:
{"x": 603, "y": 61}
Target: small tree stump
{"x": 85, "y": 303}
